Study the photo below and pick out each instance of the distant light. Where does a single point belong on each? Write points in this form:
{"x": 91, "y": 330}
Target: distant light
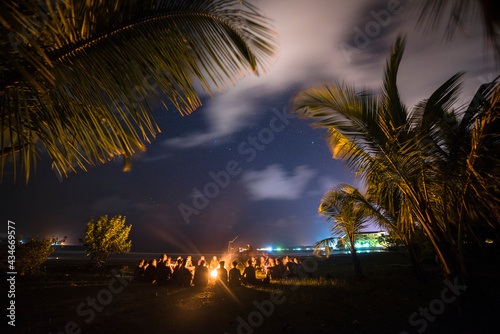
{"x": 267, "y": 249}
{"x": 359, "y": 245}
{"x": 297, "y": 249}
{"x": 213, "y": 274}
{"x": 489, "y": 241}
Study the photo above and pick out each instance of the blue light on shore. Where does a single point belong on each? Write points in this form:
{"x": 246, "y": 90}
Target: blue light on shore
{"x": 363, "y": 245}
{"x": 281, "y": 249}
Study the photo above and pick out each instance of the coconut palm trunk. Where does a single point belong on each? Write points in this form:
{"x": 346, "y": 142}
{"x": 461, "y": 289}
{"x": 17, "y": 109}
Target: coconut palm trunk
{"x": 355, "y": 259}
{"x": 429, "y": 156}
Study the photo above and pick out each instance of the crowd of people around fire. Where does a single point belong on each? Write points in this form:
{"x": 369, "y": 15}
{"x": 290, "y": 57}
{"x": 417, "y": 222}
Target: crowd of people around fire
{"x": 185, "y": 272}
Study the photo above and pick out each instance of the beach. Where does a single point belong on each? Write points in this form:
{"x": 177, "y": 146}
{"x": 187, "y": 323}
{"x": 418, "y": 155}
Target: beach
{"x": 71, "y": 298}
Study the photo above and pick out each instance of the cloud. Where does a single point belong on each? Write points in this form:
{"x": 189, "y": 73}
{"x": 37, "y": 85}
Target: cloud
{"x": 274, "y": 183}
{"x": 303, "y": 51}
{"x": 310, "y": 51}
{"x": 224, "y": 115}
{"x": 324, "y": 183}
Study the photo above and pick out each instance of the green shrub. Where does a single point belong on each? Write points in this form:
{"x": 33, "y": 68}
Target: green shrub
{"x": 31, "y": 255}
{"x": 104, "y": 237}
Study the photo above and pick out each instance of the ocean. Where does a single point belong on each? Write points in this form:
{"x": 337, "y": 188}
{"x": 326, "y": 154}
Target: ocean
{"x": 76, "y": 253}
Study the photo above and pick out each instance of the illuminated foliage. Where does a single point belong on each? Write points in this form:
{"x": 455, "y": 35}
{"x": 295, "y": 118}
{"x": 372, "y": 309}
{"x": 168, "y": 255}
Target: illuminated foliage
{"x": 433, "y": 168}
{"x": 31, "y": 254}
{"x": 79, "y": 79}
{"x": 106, "y": 237}
{"x": 347, "y": 218}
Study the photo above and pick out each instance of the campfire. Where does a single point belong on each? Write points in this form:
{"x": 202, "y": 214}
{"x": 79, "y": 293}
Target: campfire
{"x": 213, "y": 274}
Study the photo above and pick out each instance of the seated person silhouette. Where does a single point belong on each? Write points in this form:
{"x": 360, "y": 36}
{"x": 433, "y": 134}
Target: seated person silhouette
{"x": 221, "y": 274}
{"x": 234, "y": 276}
{"x": 249, "y": 274}
{"x": 201, "y": 275}
{"x": 185, "y": 275}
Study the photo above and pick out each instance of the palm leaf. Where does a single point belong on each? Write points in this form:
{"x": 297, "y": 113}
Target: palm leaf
{"x": 327, "y": 244}
{"x": 422, "y": 168}
{"x": 455, "y": 14}
{"x": 85, "y": 83}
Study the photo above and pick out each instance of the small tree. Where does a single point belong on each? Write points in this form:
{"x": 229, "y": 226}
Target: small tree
{"x": 347, "y": 218}
{"x": 31, "y": 255}
{"x": 106, "y": 237}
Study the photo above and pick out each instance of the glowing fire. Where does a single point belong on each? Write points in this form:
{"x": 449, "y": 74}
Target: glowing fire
{"x": 213, "y": 274}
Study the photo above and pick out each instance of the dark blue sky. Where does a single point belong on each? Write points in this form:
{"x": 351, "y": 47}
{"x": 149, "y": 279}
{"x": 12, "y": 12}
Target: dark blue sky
{"x": 279, "y": 179}
{"x": 278, "y": 170}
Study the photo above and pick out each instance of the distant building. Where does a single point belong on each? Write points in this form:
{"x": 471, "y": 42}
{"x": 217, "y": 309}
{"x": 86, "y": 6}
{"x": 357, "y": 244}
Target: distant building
{"x": 369, "y": 239}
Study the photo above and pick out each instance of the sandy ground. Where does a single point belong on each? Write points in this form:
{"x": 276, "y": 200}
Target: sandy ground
{"x": 70, "y": 300}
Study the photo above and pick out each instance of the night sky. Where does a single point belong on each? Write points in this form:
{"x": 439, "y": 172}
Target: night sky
{"x": 271, "y": 168}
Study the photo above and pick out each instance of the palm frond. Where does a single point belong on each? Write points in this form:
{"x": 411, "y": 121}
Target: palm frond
{"x": 426, "y": 171}
{"x": 327, "y": 244}
{"x": 85, "y": 83}
{"x": 394, "y": 110}
{"x": 351, "y": 118}
{"x": 455, "y": 14}
{"x": 346, "y": 216}
{"x": 481, "y": 175}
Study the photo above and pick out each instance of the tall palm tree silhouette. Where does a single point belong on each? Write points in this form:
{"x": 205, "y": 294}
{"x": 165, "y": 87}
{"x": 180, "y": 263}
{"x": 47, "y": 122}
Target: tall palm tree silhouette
{"x": 438, "y": 161}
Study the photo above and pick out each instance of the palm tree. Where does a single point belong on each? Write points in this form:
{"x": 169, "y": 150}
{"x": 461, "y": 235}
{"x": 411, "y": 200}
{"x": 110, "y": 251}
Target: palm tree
{"x": 463, "y": 155}
{"x": 383, "y": 207}
{"x": 456, "y": 13}
{"x": 392, "y": 211}
{"x": 78, "y": 78}
{"x": 347, "y": 218}
{"x": 405, "y": 151}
